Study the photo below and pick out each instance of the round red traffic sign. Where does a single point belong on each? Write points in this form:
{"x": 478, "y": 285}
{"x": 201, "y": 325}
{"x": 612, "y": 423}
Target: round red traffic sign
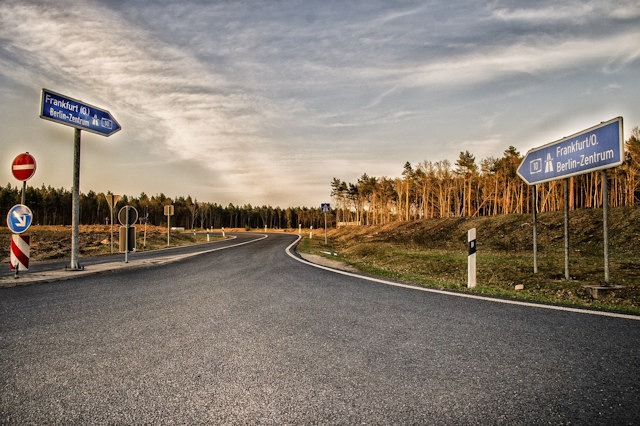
{"x": 23, "y": 166}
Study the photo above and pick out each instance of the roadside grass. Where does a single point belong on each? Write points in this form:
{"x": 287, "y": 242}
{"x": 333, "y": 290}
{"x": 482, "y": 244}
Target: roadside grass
{"x": 434, "y": 255}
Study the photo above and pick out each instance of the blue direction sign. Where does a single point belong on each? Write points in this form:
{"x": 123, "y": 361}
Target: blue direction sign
{"x": 326, "y": 207}
{"x": 597, "y": 148}
{"x": 72, "y": 112}
{"x": 19, "y": 218}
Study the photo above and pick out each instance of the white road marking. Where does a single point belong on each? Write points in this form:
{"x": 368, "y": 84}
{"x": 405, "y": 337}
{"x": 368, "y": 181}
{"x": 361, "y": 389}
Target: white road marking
{"x": 465, "y": 295}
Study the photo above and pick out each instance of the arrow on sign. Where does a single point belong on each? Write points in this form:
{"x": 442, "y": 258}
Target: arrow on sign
{"x": 21, "y": 219}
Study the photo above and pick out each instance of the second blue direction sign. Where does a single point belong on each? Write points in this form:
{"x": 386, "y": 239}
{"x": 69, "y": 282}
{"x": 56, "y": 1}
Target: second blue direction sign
{"x": 19, "y": 218}
{"x": 597, "y": 148}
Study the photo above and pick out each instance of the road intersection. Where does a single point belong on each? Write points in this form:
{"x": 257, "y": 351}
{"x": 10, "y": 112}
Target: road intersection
{"x": 250, "y": 335}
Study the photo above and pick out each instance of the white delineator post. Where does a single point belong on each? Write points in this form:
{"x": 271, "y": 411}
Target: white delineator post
{"x": 471, "y": 262}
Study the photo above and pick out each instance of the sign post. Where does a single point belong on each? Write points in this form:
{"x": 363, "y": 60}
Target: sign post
{"x": 127, "y": 216}
{"x": 597, "y": 148}
{"x": 605, "y": 223}
{"x": 75, "y": 204}
{"x": 81, "y": 116}
{"x": 146, "y": 219}
{"x": 20, "y": 217}
{"x": 326, "y": 208}
{"x": 534, "y": 191}
{"x": 168, "y": 212}
{"x": 112, "y": 200}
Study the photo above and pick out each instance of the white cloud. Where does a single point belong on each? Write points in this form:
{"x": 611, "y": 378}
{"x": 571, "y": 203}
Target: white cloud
{"x": 160, "y": 91}
{"x": 565, "y": 11}
{"x": 493, "y": 63}
{"x": 241, "y": 94}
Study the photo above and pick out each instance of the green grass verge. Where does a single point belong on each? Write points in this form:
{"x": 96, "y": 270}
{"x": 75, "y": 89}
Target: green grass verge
{"x": 498, "y": 272}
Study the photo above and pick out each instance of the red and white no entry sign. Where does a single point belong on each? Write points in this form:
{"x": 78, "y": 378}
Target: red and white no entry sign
{"x": 24, "y": 166}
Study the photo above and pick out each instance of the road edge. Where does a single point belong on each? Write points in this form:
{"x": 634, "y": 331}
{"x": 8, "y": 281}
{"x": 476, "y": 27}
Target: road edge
{"x": 459, "y": 294}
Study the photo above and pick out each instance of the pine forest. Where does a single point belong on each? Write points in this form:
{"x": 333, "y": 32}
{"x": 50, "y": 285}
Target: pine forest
{"x": 430, "y": 189}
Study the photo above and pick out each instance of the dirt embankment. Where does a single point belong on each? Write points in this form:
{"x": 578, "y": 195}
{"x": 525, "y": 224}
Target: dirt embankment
{"x": 508, "y": 233}
{"x": 54, "y": 242}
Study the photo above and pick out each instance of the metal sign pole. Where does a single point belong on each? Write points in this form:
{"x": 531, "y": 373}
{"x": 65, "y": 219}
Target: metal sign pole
{"x": 534, "y": 188}
{"x": 110, "y": 203}
{"x": 146, "y": 219}
{"x": 566, "y": 229}
{"x": 325, "y": 228}
{"x": 72, "y": 112}
{"x": 75, "y": 203}
{"x": 605, "y": 224}
{"x": 126, "y": 236}
{"x": 600, "y": 147}
{"x": 111, "y": 206}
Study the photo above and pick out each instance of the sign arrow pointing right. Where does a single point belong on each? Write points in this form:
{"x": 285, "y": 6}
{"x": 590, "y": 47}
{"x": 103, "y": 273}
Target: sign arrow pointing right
{"x": 22, "y": 219}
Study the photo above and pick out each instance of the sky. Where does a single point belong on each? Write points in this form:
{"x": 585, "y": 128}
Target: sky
{"x": 265, "y": 102}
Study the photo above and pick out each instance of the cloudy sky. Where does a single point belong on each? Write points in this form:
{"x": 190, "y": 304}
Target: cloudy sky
{"x": 264, "y": 102}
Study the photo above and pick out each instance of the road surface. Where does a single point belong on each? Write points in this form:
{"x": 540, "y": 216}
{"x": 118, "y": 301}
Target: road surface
{"x": 249, "y": 335}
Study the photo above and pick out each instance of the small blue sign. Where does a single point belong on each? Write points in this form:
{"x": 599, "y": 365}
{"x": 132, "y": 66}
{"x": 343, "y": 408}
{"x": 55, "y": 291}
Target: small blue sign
{"x": 19, "y": 218}
{"x": 326, "y": 208}
{"x": 72, "y": 112}
{"x": 597, "y": 148}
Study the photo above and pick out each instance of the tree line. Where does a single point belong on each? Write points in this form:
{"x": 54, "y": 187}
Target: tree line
{"x": 440, "y": 189}
{"x": 52, "y": 206}
{"x": 425, "y": 190}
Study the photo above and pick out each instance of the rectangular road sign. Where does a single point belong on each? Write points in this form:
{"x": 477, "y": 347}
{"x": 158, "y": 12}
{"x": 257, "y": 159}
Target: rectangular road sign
{"x": 597, "y": 148}
{"x": 72, "y": 112}
{"x": 326, "y": 208}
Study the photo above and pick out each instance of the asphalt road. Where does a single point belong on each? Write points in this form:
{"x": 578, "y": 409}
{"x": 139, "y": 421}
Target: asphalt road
{"x": 248, "y": 335}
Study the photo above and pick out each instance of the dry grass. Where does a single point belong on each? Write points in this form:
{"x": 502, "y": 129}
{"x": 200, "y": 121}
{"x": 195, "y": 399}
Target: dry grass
{"x": 54, "y": 242}
{"x": 434, "y": 253}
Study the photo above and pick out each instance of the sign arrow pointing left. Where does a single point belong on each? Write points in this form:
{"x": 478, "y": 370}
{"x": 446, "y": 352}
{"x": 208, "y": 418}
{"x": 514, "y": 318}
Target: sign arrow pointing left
{"x": 597, "y": 148}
